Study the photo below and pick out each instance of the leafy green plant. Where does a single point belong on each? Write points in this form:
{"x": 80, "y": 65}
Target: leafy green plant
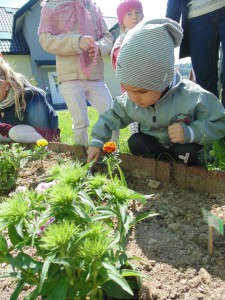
{"x": 40, "y": 150}
{"x": 218, "y": 152}
{"x": 77, "y": 226}
{"x": 10, "y": 158}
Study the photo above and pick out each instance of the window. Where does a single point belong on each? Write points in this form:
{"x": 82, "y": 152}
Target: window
{"x": 4, "y": 35}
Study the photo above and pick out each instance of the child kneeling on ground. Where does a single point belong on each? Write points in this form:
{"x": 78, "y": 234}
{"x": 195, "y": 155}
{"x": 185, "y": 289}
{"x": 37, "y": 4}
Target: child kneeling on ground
{"x": 176, "y": 115}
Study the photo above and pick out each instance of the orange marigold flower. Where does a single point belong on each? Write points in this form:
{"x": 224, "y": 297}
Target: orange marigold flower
{"x": 109, "y": 147}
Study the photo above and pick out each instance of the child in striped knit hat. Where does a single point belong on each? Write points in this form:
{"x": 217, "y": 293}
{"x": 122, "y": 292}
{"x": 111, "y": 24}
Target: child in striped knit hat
{"x": 176, "y": 116}
{"x": 129, "y": 13}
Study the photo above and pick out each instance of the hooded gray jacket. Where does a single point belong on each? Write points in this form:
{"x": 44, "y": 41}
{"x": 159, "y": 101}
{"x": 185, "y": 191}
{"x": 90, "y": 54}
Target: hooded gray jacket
{"x": 200, "y": 113}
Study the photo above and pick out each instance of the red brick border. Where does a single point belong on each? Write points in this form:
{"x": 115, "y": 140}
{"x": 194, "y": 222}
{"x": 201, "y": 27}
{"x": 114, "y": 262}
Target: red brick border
{"x": 197, "y": 178}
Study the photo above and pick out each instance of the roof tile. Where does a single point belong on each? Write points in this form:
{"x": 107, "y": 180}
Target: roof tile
{"x": 17, "y": 43}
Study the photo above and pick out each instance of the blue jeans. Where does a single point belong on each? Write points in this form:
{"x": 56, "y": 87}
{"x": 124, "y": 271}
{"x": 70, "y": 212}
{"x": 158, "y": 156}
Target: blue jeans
{"x": 206, "y": 32}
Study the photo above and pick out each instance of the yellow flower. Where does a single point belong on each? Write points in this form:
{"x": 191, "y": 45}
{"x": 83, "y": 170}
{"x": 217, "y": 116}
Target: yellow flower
{"x": 109, "y": 147}
{"x": 42, "y": 142}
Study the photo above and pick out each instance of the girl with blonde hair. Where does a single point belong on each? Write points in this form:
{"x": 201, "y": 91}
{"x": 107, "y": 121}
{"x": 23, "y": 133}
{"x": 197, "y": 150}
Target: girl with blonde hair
{"x": 25, "y": 114}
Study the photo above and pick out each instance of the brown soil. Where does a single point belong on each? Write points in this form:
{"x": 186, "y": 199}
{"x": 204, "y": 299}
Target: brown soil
{"x": 174, "y": 245}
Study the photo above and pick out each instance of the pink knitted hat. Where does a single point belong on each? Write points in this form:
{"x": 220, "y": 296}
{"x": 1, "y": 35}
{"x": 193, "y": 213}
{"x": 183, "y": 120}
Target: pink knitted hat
{"x": 126, "y": 6}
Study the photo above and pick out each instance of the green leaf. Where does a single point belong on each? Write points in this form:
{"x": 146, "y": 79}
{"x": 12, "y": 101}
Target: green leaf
{"x": 115, "y": 240}
{"x": 134, "y": 257}
{"x": 142, "y": 217}
{"x": 129, "y": 219}
{"x": 123, "y": 211}
{"x": 18, "y": 290}
{"x": 60, "y": 290}
{"x": 106, "y": 210}
{"x": 99, "y": 193}
{"x": 33, "y": 295}
{"x": 82, "y": 213}
{"x": 80, "y": 290}
{"x": 44, "y": 271}
{"x": 101, "y": 217}
{"x": 138, "y": 197}
{"x": 14, "y": 237}
{"x": 130, "y": 272}
{"x": 86, "y": 200}
{"x": 70, "y": 262}
{"x": 48, "y": 286}
{"x": 122, "y": 259}
{"x": 114, "y": 290}
{"x": 114, "y": 275}
{"x": 24, "y": 261}
{"x": 122, "y": 177}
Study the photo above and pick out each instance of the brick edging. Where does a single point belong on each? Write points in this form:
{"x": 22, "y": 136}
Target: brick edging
{"x": 196, "y": 178}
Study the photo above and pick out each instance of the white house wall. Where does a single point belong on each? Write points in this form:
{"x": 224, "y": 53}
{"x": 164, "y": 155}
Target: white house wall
{"x": 20, "y": 64}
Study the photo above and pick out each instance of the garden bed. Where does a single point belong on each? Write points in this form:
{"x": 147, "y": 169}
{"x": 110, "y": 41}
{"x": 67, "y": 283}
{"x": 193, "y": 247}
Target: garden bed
{"x": 174, "y": 245}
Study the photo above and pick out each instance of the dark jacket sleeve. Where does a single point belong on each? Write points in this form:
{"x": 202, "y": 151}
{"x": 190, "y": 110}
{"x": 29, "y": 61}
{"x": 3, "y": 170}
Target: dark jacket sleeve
{"x": 173, "y": 10}
{"x": 41, "y": 115}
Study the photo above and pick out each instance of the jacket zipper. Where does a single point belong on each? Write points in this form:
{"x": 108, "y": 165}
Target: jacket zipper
{"x": 154, "y": 115}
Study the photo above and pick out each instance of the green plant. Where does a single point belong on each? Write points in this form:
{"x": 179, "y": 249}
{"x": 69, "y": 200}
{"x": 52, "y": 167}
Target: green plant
{"x": 77, "y": 226}
{"x": 40, "y": 150}
{"x": 10, "y": 158}
{"x": 218, "y": 152}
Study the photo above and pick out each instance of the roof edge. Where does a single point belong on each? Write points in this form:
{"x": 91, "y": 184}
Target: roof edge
{"x": 21, "y": 11}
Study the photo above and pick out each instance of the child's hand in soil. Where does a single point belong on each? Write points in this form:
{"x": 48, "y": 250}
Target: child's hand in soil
{"x": 93, "y": 153}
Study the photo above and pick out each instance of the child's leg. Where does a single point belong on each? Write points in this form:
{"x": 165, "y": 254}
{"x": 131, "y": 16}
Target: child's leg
{"x": 145, "y": 145}
{"x": 74, "y": 93}
{"x": 24, "y": 134}
{"x": 100, "y": 98}
{"x": 99, "y": 95}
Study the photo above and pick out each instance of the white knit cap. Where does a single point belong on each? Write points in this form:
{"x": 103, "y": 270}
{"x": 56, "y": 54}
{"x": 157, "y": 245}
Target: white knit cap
{"x": 146, "y": 58}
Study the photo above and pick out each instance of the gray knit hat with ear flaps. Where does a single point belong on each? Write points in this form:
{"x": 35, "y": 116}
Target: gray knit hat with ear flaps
{"x": 146, "y": 57}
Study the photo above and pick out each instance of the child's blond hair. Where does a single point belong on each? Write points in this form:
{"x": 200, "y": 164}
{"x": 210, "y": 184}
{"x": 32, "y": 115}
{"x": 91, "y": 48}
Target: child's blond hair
{"x": 16, "y": 82}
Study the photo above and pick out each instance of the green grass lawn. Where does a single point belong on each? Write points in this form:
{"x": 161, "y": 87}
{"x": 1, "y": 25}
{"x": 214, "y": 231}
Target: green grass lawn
{"x": 66, "y": 136}
{"x": 65, "y": 124}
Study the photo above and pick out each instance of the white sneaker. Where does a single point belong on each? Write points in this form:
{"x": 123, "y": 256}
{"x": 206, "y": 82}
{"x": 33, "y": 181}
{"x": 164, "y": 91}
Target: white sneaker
{"x": 134, "y": 128}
